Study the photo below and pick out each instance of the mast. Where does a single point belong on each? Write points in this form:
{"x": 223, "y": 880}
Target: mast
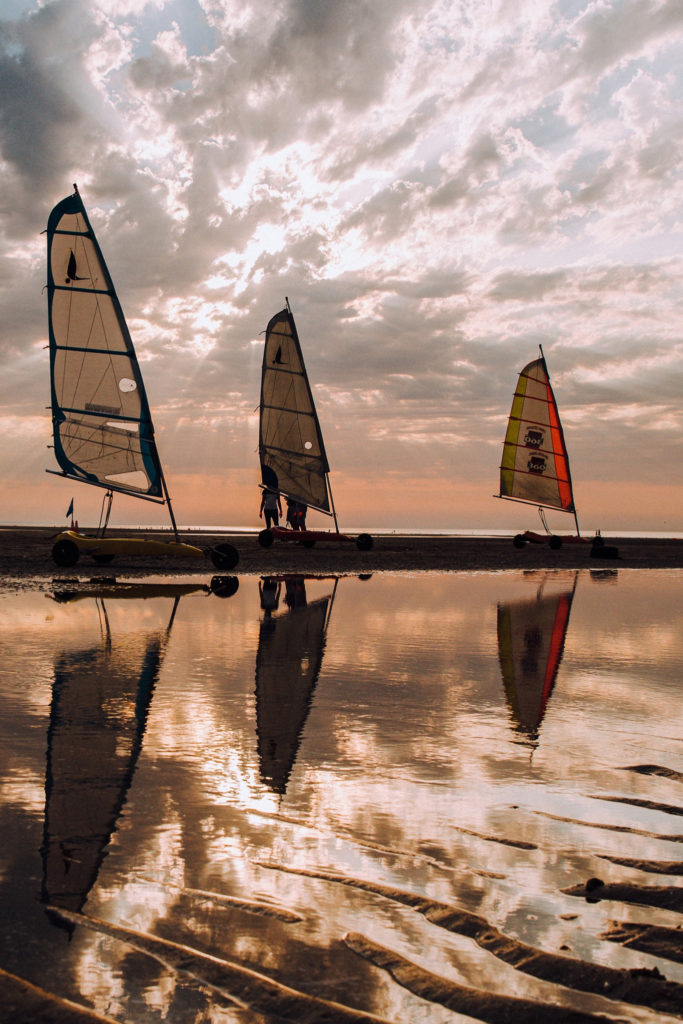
{"x": 559, "y": 424}
{"x": 168, "y": 503}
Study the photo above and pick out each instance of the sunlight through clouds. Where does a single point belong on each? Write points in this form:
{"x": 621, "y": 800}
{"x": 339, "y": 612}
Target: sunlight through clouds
{"x": 434, "y": 184}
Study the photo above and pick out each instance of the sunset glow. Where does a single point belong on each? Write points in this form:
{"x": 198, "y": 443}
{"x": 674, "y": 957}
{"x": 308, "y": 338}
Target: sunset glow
{"x": 438, "y": 188}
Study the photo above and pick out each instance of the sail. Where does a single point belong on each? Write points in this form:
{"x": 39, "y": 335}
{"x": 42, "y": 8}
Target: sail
{"x": 288, "y": 662}
{"x": 100, "y": 702}
{"x": 531, "y": 636}
{"x": 102, "y": 427}
{"x": 535, "y": 466}
{"x": 293, "y": 459}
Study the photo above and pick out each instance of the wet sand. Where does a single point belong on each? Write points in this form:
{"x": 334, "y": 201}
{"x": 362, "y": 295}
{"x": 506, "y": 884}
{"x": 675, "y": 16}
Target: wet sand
{"x": 25, "y": 557}
{"x": 26, "y": 552}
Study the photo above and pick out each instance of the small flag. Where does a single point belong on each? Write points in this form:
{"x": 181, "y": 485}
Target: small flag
{"x": 70, "y": 509}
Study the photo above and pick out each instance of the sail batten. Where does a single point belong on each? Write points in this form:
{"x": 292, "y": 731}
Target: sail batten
{"x": 291, "y": 448}
{"x": 96, "y": 383}
{"x": 535, "y": 464}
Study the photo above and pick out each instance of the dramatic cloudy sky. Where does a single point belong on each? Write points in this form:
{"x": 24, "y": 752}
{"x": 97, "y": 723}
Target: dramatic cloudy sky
{"x": 437, "y": 185}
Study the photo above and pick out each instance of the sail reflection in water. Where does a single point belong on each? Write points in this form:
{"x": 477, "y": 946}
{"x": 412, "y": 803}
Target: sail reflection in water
{"x": 384, "y": 849}
{"x": 100, "y": 702}
{"x": 531, "y": 635}
{"x": 290, "y": 653}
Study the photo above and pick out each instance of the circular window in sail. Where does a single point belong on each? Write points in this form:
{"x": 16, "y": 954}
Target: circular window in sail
{"x": 126, "y": 385}
{"x": 308, "y": 445}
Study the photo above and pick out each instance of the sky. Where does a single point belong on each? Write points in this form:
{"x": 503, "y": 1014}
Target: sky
{"x": 438, "y": 187}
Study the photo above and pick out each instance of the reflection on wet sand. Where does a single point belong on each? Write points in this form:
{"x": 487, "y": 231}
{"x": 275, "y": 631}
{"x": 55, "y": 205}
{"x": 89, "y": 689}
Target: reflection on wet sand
{"x": 100, "y": 702}
{"x": 531, "y": 637}
{"x": 290, "y": 653}
{"x": 270, "y": 809}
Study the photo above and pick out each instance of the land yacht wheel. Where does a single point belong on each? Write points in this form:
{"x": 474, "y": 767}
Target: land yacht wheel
{"x": 65, "y": 552}
{"x": 224, "y": 556}
{"x": 519, "y": 540}
{"x": 364, "y": 542}
{"x": 555, "y": 542}
{"x": 266, "y": 538}
{"x": 224, "y": 586}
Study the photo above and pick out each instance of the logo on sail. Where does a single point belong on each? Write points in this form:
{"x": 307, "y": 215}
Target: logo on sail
{"x": 534, "y": 437}
{"x": 71, "y": 274}
{"x": 537, "y": 464}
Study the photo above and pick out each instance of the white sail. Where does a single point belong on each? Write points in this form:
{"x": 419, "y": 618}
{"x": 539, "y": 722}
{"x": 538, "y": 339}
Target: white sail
{"x": 102, "y": 427}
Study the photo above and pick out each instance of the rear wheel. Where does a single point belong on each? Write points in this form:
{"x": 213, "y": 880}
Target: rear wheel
{"x": 364, "y": 542}
{"x": 555, "y": 542}
{"x": 519, "y": 540}
{"x": 65, "y": 552}
{"x": 224, "y": 556}
{"x": 266, "y": 538}
{"x": 224, "y": 586}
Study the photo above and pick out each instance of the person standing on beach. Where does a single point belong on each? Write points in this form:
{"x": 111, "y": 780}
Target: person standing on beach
{"x": 271, "y": 507}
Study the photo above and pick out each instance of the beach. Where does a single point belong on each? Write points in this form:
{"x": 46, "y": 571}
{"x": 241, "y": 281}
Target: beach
{"x": 396, "y": 795}
{"x": 25, "y": 553}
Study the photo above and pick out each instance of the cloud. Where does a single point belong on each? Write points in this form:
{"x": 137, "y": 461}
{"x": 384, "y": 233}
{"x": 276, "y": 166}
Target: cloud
{"x": 438, "y": 188}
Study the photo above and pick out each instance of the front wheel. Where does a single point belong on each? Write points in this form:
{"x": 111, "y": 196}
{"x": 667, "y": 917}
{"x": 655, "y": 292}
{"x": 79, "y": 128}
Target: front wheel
{"x": 555, "y": 542}
{"x": 224, "y": 586}
{"x": 224, "y": 556}
{"x": 519, "y": 540}
{"x": 65, "y": 552}
{"x": 364, "y": 542}
{"x": 266, "y": 538}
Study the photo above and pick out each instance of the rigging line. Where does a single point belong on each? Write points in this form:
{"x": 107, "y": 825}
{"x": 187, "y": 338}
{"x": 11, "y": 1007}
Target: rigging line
{"x": 90, "y": 432}
{"x": 86, "y": 351}
{"x": 68, "y": 324}
{"x": 290, "y": 412}
{"x": 109, "y": 453}
{"x": 96, "y": 311}
{"x": 535, "y": 423}
{"x": 534, "y": 451}
{"x": 110, "y": 292}
{"x": 308, "y": 454}
{"x": 288, "y": 373}
{"x": 98, "y": 266}
{"x": 104, "y": 449}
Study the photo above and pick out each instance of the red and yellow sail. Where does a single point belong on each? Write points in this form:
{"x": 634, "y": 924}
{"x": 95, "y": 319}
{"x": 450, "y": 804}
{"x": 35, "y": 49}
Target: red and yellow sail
{"x": 535, "y": 465}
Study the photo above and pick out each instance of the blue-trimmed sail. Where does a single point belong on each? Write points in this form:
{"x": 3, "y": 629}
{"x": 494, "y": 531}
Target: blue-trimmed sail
{"x": 293, "y": 459}
{"x": 102, "y": 427}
